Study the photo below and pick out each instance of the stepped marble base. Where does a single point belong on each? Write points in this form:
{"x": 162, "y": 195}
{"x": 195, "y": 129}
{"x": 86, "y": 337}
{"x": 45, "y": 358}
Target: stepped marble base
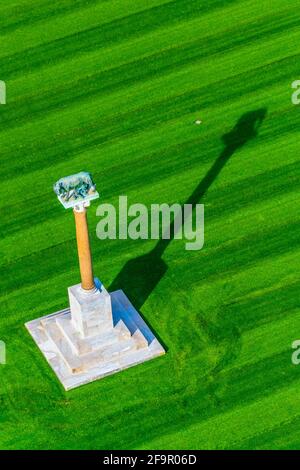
{"x": 93, "y": 339}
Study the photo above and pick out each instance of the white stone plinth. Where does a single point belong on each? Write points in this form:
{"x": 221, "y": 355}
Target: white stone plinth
{"x": 91, "y": 312}
{"x": 99, "y": 334}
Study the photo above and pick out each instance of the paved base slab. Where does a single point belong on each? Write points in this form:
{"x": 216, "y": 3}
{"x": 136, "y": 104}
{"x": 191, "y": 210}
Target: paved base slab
{"x": 77, "y": 360}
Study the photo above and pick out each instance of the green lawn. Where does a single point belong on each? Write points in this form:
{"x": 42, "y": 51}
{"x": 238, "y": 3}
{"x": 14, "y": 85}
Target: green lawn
{"x": 114, "y": 87}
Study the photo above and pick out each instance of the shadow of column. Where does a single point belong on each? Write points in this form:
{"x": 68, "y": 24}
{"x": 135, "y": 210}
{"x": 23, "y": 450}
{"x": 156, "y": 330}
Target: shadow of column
{"x": 140, "y": 275}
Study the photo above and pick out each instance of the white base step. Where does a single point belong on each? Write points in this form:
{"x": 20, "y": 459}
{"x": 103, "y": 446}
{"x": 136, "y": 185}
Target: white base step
{"x": 78, "y": 360}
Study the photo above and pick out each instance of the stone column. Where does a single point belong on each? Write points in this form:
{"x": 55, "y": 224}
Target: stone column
{"x": 84, "y": 251}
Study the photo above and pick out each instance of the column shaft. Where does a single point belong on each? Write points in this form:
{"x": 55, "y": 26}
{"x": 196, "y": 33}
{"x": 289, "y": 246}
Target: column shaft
{"x": 84, "y": 251}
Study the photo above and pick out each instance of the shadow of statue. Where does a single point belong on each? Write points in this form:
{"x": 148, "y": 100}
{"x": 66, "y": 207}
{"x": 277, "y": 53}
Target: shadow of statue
{"x": 140, "y": 276}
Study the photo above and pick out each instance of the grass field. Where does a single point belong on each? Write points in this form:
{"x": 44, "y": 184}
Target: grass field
{"x": 114, "y": 87}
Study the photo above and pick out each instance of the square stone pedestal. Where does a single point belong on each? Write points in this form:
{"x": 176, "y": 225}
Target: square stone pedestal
{"x": 99, "y": 334}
